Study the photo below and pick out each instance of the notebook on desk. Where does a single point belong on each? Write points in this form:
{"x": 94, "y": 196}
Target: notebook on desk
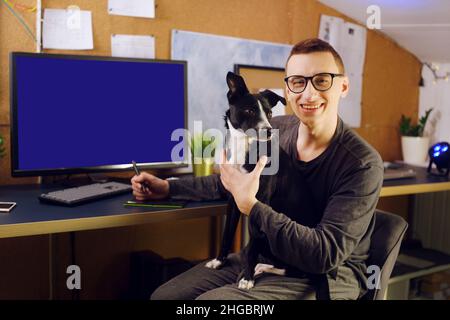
{"x": 400, "y": 173}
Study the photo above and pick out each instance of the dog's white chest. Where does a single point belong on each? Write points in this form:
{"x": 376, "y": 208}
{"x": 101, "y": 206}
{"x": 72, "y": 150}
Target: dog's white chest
{"x": 236, "y": 147}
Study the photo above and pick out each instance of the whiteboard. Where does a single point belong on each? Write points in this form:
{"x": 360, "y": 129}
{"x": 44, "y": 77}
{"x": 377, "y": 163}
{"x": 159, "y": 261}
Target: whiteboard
{"x": 209, "y": 59}
{"x": 349, "y": 40}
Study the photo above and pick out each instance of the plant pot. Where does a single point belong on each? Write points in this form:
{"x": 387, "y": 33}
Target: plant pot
{"x": 415, "y": 149}
{"x": 203, "y": 167}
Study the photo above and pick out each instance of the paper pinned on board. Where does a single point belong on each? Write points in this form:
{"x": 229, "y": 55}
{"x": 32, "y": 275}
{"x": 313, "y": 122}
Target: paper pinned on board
{"x": 132, "y": 8}
{"x": 132, "y": 46}
{"x": 69, "y": 29}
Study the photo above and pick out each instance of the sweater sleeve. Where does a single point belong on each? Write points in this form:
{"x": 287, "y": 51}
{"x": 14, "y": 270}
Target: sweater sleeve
{"x": 345, "y": 220}
{"x": 198, "y": 188}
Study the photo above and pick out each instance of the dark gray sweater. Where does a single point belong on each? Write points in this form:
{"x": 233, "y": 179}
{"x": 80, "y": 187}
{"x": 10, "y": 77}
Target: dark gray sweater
{"x": 321, "y": 216}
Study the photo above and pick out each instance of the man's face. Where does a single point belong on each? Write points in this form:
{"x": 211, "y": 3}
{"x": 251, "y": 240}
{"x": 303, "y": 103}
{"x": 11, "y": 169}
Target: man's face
{"x": 305, "y": 104}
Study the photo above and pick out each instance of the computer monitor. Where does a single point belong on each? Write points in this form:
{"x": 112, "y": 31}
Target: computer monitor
{"x": 82, "y": 114}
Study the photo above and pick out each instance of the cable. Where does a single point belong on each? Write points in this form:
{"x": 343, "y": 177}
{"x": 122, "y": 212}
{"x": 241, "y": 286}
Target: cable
{"x": 434, "y": 69}
{"x": 21, "y": 7}
{"x": 21, "y": 20}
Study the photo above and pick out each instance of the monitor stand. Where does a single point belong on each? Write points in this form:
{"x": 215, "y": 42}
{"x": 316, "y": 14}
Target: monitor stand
{"x": 67, "y": 181}
{"x": 98, "y": 177}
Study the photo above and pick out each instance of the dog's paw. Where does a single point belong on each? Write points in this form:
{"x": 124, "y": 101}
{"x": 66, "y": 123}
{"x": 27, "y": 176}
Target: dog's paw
{"x": 246, "y": 284}
{"x": 214, "y": 264}
{"x": 268, "y": 268}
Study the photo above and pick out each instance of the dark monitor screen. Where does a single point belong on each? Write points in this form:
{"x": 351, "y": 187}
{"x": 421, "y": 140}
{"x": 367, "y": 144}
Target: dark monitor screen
{"x": 74, "y": 114}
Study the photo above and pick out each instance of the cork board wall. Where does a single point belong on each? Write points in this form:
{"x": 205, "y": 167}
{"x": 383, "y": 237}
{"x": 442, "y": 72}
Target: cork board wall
{"x": 285, "y": 21}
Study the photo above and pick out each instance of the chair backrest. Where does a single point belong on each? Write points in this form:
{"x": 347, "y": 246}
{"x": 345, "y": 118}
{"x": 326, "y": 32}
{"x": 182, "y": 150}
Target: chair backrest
{"x": 386, "y": 240}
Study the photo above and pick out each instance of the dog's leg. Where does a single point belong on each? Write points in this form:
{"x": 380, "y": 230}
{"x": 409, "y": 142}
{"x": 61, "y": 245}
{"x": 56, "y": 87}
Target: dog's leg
{"x": 255, "y": 247}
{"x": 233, "y": 215}
{"x": 249, "y": 259}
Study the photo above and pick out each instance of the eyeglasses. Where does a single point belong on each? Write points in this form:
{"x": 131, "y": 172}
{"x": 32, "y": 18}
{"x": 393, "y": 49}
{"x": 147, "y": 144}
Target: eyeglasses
{"x": 320, "y": 81}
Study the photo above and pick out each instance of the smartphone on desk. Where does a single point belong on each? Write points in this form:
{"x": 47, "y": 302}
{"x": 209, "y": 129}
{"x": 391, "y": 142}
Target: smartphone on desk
{"x": 7, "y": 206}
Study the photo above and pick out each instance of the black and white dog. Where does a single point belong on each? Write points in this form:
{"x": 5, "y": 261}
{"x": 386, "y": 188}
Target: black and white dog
{"x": 247, "y": 113}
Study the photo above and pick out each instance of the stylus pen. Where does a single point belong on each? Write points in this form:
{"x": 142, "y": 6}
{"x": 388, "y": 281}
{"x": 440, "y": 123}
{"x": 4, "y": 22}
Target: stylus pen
{"x": 168, "y": 206}
{"x": 144, "y": 186}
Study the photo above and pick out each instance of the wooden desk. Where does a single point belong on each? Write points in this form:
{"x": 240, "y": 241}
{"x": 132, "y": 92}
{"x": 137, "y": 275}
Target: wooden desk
{"x": 401, "y": 275}
{"x": 30, "y": 217}
{"x": 422, "y": 183}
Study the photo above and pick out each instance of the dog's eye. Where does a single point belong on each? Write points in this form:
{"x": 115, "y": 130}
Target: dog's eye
{"x": 269, "y": 114}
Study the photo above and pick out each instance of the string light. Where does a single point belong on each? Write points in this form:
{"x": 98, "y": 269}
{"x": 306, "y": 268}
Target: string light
{"x": 434, "y": 69}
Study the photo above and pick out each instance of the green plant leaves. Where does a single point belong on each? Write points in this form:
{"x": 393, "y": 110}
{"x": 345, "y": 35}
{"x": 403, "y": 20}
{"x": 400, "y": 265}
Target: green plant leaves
{"x": 201, "y": 145}
{"x": 408, "y": 129}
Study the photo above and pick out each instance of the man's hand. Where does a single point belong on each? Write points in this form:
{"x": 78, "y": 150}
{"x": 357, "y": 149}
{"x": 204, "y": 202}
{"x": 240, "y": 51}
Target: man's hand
{"x": 156, "y": 188}
{"x": 243, "y": 186}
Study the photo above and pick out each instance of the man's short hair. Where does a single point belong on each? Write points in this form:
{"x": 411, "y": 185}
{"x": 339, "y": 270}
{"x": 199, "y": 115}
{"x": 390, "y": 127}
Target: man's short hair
{"x": 317, "y": 45}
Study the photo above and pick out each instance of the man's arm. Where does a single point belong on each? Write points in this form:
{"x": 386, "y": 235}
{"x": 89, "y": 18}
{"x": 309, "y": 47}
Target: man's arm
{"x": 345, "y": 221}
{"x": 199, "y": 188}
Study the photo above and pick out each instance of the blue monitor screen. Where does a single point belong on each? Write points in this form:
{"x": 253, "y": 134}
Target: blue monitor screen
{"x": 71, "y": 112}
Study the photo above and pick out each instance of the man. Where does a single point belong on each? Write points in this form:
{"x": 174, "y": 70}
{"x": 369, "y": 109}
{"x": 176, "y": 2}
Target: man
{"x": 331, "y": 186}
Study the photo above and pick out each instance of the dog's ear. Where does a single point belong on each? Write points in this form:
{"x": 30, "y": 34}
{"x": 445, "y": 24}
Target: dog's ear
{"x": 236, "y": 84}
{"x": 272, "y": 98}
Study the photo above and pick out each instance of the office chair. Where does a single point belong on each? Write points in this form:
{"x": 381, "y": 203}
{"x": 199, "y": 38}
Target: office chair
{"x": 385, "y": 244}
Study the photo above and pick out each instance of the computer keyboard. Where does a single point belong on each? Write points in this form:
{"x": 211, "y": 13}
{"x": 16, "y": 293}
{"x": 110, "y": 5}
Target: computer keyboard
{"x": 87, "y": 193}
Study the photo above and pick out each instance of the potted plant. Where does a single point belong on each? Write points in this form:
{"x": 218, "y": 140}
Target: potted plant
{"x": 414, "y": 144}
{"x": 203, "y": 150}
{"x": 2, "y": 149}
